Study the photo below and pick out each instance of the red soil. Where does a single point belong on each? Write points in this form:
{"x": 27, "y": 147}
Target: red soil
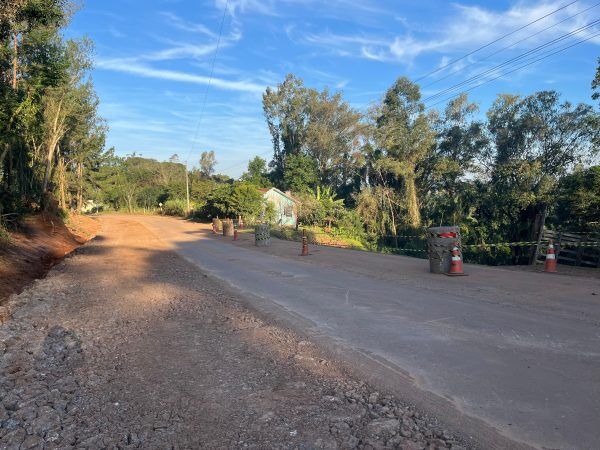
{"x": 39, "y": 243}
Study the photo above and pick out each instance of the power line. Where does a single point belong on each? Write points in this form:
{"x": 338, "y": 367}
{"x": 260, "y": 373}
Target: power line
{"x": 212, "y": 70}
{"x": 509, "y": 46}
{"x": 511, "y": 61}
{"x": 244, "y": 162}
{"x": 494, "y": 41}
{"x": 516, "y": 69}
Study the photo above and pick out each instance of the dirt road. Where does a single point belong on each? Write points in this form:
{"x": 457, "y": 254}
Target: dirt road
{"x": 497, "y": 351}
{"x": 127, "y": 345}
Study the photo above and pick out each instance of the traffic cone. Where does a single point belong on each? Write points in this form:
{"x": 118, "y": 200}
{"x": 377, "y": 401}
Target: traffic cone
{"x": 235, "y": 234}
{"x": 456, "y": 266}
{"x": 304, "y": 246}
{"x": 550, "y": 264}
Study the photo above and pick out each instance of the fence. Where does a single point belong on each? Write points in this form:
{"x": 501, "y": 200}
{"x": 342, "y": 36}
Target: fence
{"x": 574, "y": 249}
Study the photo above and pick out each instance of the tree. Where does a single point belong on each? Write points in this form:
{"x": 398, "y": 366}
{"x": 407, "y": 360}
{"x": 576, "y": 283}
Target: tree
{"x": 578, "y": 205}
{"x": 64, "y": 100}
{"x": 286, "y": 114}
{"x": 315, "y": 124}
{"x": 246, "y": 200}
{"x": 404, "y": 136}
{"x": 207, "y": 163}
{"x": 333, "y": 134}
{"x": 461, "y": 142}
{"x": 257, "y": 172}
{"x": 596, "y": 83}
{"x": 300, "y": 174}
{"x": 536, "y": 140}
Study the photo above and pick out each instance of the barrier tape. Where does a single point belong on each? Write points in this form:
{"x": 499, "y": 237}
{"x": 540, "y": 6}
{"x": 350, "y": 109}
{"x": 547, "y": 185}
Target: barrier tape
{"x": 475, "y": 246}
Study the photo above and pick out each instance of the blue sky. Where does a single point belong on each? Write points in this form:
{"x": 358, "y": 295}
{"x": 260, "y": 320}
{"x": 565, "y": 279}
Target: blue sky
{"x": 153, "y": 60}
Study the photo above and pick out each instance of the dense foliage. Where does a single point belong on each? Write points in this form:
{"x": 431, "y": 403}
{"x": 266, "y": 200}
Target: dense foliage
{"x": 402, "y": 167}
{"x": 374, "y": 177}
{"x": 50, "y": 132}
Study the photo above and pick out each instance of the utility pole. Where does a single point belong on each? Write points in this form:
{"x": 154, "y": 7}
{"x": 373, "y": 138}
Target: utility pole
{"x": 187, "y": 188}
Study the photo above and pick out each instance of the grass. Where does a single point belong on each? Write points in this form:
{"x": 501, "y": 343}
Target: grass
{"x": 318, "y": 236}
{"x": 5, "y": 237}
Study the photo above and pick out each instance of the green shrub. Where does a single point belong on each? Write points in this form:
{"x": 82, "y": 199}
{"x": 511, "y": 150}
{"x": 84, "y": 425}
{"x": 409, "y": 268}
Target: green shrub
{"x": 4, "y": 234}
{"x": 175, "y": 207}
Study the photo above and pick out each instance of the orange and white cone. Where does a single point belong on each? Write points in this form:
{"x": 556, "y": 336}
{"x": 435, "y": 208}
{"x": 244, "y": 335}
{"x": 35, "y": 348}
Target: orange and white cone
{"x": 550, "y": 264}
{"x": 456, "y": 265}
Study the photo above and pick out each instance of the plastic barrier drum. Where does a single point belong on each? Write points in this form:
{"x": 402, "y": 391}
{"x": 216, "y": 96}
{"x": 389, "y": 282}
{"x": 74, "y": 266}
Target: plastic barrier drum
{"x": 217, "y": 224}
{"x": 228, "y": 228}
{"x": 262, "y": 235}
{"x": 440, "y": 242}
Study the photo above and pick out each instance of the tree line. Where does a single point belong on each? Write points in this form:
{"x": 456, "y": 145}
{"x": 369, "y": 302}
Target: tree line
{"x": 401, "y": 167}
{"x": 50, "y": 131}
{"x": 374, "y": 175}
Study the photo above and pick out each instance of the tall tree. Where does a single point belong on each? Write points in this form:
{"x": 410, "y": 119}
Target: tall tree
{"x": 404, "y": 135}
{"x": 207, "y": 163}
{"x": 305, "y": 122}
{"x": 596, "y": 83}
{"x": 286, "y": 114}
{"x": 257, "y": 172}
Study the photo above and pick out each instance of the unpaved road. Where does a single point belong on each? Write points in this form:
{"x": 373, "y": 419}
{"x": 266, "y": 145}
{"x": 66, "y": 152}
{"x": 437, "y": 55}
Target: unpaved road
{"x": 127, "y": 345}
{"x": 499, "y": 350}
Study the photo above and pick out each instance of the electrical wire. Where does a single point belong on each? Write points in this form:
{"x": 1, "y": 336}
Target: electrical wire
{"x": 509, "y": 46}
{"x": 515, "y": 70}
{"x": 512, "y": 60}
{"x": 269, "y": 153}
{"x": 212, "y": 70}
{"x": 494, "y": 41}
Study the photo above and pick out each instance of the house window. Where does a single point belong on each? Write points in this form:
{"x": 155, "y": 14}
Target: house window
{"x": 288, "y": 210}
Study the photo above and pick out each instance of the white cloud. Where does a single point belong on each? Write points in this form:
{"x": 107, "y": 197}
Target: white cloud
{"x": 179, "y": 23}
{"x": 468, "y": 28}
{"x": 180, "y": 51}
{"x": 135, "y": 68}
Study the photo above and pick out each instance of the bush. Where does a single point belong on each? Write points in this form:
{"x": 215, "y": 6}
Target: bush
{"x": 4, "y": 234}
{"x": 175, "y": 208}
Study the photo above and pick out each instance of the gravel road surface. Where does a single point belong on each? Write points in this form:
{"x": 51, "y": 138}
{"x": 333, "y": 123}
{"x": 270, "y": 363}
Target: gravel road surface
{"x": 127, "y": 345}
{"x": 500, "y": 351}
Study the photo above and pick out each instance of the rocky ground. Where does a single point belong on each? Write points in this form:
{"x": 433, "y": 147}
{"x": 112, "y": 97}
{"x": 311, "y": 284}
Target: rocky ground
{"x": 125, "y": 344}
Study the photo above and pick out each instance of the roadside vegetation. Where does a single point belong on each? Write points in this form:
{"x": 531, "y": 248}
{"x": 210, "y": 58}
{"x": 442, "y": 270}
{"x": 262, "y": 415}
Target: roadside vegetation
{"x": 371, "y": 179}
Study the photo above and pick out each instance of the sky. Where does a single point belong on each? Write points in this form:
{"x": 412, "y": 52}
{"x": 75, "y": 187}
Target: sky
{"x": 153, "y": 61}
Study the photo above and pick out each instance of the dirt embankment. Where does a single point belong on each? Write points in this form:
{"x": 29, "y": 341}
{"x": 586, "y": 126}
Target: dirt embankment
{"x": 38, "y": 243}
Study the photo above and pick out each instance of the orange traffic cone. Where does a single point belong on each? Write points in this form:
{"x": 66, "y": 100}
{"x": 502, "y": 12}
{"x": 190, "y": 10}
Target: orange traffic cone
{"x": 550, "y": 264}
{"x": 456, "y": 266}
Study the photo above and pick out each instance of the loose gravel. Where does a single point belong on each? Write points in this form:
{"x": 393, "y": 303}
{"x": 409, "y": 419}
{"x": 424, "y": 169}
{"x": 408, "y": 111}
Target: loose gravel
{"x": 126, "y": 345}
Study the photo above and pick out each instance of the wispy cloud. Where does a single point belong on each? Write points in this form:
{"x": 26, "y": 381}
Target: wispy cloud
{"x": 179, "y": 51}
{"x": 468, "y": 28}
{"x": 276, "y": 8}
{"x": 135, "y": 68}
{"x": 181, "y": 24}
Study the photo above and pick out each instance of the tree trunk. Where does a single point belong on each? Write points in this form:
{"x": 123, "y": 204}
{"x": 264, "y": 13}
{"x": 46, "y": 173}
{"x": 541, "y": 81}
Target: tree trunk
{"x": 62, "y": 202}
{"x": 48, "y": 171}
{"x": 79, "y": 186}
{"x": 414, "y": 215}
{"x": 15, "y": 61}
{"x": 392, "y": 216}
